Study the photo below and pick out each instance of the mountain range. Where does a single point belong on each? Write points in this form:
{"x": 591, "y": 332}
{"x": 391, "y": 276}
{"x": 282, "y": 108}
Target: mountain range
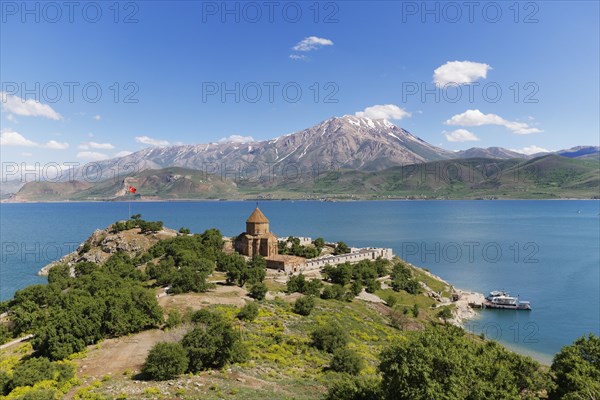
{"x": 347, "y": 143}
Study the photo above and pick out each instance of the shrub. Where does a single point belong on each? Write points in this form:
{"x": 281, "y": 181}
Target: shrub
{"x": 341, "y": 248}
{"x": 85, "y": 248}
{"x": 213, "y": 344}
{"x": 313, "y": 287}
{"x": 445, "y": 313}
{"x": 173, "y": 319}
{"x": 329, "y": 337}
{"x": 346, "y": 360}
{"x": 34, "y": 370}
{"x": 165, "y": 361}
{"x": 5, "y": 380}
{"x": 415, "y": 311}
{"x": 349, "y": 388}
{"x": 184, "y": 231}
{"x": 296, "y": 283}
{"x": 391, "y": 300}
{"x": 442, "y": 363}
{"x": 333, "y": 292}
{"x": 249, "y": 312}
{"x": 206, "y": 317}
{"x": 258, "y": 291}
{"x": 402, "y": 279}
{"x": 356, "y": 288}
{"x": 304, "y": 305}
{"x": 372, "y": 285}
{"x": 577, "y": 370}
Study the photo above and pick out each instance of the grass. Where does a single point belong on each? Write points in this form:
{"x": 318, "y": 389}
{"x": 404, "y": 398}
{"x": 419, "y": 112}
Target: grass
{"x": 283, "y": 364}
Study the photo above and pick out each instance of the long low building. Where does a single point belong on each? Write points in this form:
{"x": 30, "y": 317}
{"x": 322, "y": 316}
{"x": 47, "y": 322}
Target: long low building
{"x": 293, "y": 264}
{"x": 356, "y": 255}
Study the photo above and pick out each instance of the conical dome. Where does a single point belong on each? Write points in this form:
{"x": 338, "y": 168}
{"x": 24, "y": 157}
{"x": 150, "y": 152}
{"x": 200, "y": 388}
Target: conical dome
{"x": 257, "y": 217}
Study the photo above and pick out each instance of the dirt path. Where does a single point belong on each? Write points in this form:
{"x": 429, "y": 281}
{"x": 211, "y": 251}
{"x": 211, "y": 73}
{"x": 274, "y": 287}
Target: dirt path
{"x": 222, "y": 294}
{"x": 115, "y": 356}
{"x": 19, "y": 340}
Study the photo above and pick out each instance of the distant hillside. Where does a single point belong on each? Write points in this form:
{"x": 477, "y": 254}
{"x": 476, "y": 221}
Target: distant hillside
{"x": 546, "y": 177}
{"x": 490, "y": 152}
{"x": 50, "y": 191}
{"x": 590, "y": 152}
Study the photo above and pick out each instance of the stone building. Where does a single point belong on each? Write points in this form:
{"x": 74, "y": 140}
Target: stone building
{"x": 257, "y": 240}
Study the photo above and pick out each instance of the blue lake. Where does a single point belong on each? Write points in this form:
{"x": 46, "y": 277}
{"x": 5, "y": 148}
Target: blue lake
{"x": 548, "y": 252}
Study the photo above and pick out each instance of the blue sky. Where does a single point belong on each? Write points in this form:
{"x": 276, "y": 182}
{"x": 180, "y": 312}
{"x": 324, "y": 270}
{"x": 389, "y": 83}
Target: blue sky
{"x": 168, "y": 56}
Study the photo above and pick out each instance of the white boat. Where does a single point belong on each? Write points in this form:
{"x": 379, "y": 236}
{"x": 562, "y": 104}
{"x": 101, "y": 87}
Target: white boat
{"x": 503, "y": 300}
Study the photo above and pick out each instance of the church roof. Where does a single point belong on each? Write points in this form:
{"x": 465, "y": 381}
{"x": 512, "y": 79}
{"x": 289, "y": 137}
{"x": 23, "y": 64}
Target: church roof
{"x": 257, "y": 217}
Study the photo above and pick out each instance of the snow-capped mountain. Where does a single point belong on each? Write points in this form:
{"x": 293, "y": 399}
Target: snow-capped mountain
{"x": 346, "y": 142}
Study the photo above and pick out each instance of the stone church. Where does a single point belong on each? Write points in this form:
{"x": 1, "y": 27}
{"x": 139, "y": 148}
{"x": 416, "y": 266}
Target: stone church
{"x": 257, "y": 240}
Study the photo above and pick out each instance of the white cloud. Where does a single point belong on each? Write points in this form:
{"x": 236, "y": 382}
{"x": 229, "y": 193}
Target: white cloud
{"x": 533, "y": 149}
{"x": 298, "y": 57}
{"x": 26, "y": 154}
{"x": 53, "y": 144}
{"x": 11, "y": 118}
{"x": 27, "y": 108}
{"x": 97, "y": 117}
{"x": 123, "y": 153}
{"x": 95, "y": 145}
{"x": 11, "y": 138}
{"x": 385, "y": 111}
{"x": 312, "y": 43}
{"x": 92, "y": 155}
{"x": 460, "y": 72}
{"x": 460, "y": 135}
{"x": 237, "y": 139}
{"x": 150, "y": 141}
{"x": 477, "y": 118}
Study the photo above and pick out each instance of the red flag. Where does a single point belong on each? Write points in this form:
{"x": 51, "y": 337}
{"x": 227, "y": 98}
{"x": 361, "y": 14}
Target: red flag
{"x": 132, "y": 189}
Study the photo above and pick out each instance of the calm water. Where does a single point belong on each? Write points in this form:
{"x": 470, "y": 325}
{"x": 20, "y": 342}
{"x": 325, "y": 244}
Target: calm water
{"x": 547, "y": 252}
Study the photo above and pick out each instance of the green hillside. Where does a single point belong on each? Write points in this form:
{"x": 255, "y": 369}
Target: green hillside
{"x": 546, "y": 177}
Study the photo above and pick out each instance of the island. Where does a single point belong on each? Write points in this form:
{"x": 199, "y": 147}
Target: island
{"x": 140, "y": 310}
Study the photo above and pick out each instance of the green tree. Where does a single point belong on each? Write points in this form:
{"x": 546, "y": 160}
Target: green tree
{"x": 36, "y": 369}
{"x": 341, "y": 248}
{"x": 577, "y": 370}
{"x": 319, "y": 243}
{"x": 445, "y": 313}
{"x": 165, "y": 361}
{"x": 304, "y": 305}
{"x": 340, "y": 274}
{"x": 173, "y": 319}
{"x": 333, "y": 292}
{"x": 184, "y": 231}
{"x": 5, "y": 382}
{"x": 249, "y": 312}
{"x": 329, "y": 337}
{"x": 258, "y": 291}
{"x": 296, "y": 283}
{"x": 372, "y": 285}
{"x": 313, "y": 287}
{"x": 446, "y": 364}
{"x": 60, "y": 275}
{"x": 212, "y": 345}
{"x": 346, "y": 360}
{"x": 256, "y": 270}
{"x": 359, "y": 388}
{"x": 356, "y": 288}
{"x": 415, "y": 310}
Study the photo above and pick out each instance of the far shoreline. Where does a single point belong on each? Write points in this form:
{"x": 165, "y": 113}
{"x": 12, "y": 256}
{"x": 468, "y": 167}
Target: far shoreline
{"x": 274, "y": 200}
